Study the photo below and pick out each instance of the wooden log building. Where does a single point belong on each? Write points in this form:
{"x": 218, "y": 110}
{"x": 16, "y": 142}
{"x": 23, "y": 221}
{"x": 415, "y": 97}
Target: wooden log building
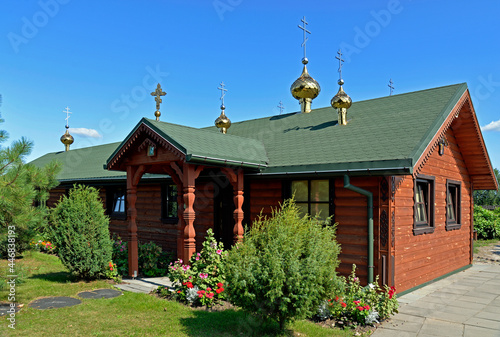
{"x": 396, "y": 173}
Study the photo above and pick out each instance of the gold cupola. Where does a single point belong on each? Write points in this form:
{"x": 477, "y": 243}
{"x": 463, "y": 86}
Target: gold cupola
{"x": 341, "y": 101}
{"x": 305, "y": 89}
{"x": 67, "y": 139}
{"x": 222, "y": 122}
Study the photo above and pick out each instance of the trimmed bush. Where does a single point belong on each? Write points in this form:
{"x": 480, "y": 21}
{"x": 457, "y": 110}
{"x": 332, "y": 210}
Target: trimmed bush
{"x": 487, "y": 223}
{"x": 284, "y": 267}
{"x": 79, "y": 230}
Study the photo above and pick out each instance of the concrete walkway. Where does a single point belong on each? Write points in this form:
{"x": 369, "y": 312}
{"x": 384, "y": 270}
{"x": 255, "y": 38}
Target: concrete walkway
{"x": 464, "y": 304}
{"x": 144, "y": 285}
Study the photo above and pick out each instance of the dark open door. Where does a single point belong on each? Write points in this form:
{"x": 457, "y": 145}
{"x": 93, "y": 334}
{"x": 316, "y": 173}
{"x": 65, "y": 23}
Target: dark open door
{"x": 223, "y": 215}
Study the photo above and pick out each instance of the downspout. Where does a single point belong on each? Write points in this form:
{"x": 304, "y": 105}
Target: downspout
{"x": 369, "y": 197}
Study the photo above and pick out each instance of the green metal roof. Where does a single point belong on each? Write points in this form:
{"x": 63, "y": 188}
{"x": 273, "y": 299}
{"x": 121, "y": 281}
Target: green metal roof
{"x": 387, "y": 134}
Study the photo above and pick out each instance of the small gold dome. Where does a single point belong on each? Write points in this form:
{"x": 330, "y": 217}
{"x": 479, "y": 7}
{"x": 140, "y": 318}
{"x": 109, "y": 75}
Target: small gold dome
{"x": 341, "y": 100}
{"x": 222, "y": 122}
{"x": 305, "y": 86}
{"x": 67, "y": 139}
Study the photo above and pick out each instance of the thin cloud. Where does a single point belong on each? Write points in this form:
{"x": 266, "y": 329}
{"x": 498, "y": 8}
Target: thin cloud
{"x": 91, "y": 133}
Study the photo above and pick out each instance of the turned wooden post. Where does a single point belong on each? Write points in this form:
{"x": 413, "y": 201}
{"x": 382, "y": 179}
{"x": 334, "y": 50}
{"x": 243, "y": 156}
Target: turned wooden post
{"x": 238, "y": 204}
{"x": 134, "y": 174}
{"x": 190, "y": 173}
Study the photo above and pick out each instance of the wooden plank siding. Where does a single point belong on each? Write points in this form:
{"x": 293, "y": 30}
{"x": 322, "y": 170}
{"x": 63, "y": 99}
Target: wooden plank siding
{"x": 54, "y": 196}
{"x": 352, "y": 229}
{"x": 422, "y": 258}
{"x": 265, "y": 195}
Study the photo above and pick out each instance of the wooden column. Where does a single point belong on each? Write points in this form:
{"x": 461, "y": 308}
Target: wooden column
{"x": 236, "y": 179}
{"x": 134, "y": 174}
{"x": 190, "y": 173}
{"x": 238, "y": 204}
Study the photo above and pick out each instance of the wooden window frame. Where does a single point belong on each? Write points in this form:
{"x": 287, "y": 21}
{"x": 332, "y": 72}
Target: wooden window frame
{"x": 165, "y": 189}
{"x": 429, "y": 200}
{"x": 331, "y": 195}
{"x": 111, "y": 196}
{"x": 457, "y": 201}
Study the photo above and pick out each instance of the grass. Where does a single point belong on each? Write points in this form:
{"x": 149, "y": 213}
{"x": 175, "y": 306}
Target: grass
{"x": 128, "y": 315}
{"x": 483, "y": 243}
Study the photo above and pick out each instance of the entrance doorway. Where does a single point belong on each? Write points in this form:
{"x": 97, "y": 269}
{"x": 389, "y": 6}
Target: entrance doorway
{"x": 223, "y": 214}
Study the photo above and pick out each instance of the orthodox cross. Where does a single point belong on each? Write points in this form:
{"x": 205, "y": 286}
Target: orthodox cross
{"x": 222, "y": 94}
{"x": 390, "y": 85}
{"x": 339, "y": 57}
{"x": 158, "y": 93}
{"x": 66, "y": 111}
{"x": 303, "y": 27}
{"x": 281, "y": 107}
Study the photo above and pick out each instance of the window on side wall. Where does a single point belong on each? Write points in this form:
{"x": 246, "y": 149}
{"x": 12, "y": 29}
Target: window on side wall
{"x": 313, "y": 197}
{"x": 423, "y": 205}
{"x": 169, "y": 203}
{"x": 453, "y": 202}
{"x": 116, "y": 204}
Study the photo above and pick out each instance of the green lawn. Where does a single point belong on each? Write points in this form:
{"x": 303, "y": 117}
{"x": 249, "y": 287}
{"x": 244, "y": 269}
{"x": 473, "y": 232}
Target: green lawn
{"x": 482, "y": 243}
{"x": 128, "y": 315}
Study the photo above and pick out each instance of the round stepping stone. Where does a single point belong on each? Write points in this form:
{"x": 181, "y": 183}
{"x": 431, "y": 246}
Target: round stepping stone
{"x": 5, "y": 307}
{"x": 54, "y": 302}
{"x": 100, "y": 293}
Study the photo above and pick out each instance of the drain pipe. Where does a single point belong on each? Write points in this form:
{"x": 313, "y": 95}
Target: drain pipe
{"x": 369, "y": 197}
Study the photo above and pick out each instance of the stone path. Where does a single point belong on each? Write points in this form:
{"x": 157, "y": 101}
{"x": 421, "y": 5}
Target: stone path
{"x": 144, "y": 285}
{"x": 65, "y": 301}
{"x": 464, "y": 304}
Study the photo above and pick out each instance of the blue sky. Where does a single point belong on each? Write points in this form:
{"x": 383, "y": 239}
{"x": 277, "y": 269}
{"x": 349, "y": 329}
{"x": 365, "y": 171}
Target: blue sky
{"x": 103, "y": 58}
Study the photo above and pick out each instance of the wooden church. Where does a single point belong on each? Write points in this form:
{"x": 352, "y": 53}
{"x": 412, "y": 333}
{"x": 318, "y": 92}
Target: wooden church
{"x": 397, "y": 174}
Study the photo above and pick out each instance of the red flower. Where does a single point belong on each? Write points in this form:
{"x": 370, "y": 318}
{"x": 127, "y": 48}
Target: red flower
{"x": 367, "y": 307}
{"x": 329, "y": 300}
{"x": 209, "y": 289}
{"x": 189, "y": 285}
{"x": 336, "y": 298}
{"x": 210, "y": 295}
{"x": 360, "y": 308}
{"x": 218, "y": 291}
{"x": 343, "y": 304}
{"x": 357, "y": 302}
{"x": 178, "y": 291}
{"x": 220, "y": 285}
{"x": 200, "y": 295}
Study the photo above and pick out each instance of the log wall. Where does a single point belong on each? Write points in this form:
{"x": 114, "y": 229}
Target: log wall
{"x": 422, "y": 258}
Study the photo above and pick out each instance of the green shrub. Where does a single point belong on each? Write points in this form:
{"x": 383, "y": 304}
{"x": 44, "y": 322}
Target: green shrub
{"x": 284, "y": 267}
{"x": 79, "y": 230}
{"x": 120, "y": 255}
{"x": 152, "y": 260}
{"x": 487, "y": 223}
{"x": 202, "y": 280}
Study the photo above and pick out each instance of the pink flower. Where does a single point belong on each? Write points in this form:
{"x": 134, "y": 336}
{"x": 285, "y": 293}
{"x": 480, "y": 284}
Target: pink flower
{"x": 203, "y": 276}
{"x": 185, "y": 267}
{"x": 219, "y": 251}
{"x": 197, "y": 258}
{"x": 121, "y": 249}
{"x": 357, "y": 302}
{"x": 360, "y": 308}
{"x": 367, "y": 307}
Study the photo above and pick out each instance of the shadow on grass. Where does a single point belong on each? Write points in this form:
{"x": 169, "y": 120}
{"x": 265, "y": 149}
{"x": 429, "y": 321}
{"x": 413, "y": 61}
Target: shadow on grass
{"x": 229, "y": 323}
{"x": 60, "y": 277}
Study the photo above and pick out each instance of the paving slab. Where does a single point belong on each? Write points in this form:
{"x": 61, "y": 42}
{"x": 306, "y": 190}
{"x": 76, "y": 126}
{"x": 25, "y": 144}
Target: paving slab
{"x": 145, "y": 285}
{"x": 475, "y": 331}
{"x": 469, "y": 300}
{"x": 54, "y": 302}
{"x": 100, "y": 293}
{"x": 5, "y": 308}
{"x": 434, "y": 327}
{"x": 485, "y": 323}
{"x": 493, "y": 316}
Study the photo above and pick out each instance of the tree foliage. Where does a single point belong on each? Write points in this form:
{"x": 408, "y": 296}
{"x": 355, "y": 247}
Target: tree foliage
{"x": 21, "y": 186}
{"x": 487, "y": 197}
{"x": 284, "y": 267}
{"x": 79, "y": 229}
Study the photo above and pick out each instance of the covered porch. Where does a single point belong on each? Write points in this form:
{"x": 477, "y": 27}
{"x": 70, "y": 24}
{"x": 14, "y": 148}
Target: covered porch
{"x": 183, "y": 153}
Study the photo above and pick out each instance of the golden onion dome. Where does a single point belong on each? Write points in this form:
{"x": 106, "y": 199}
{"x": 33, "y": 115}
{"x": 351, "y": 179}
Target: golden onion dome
{"x": 222, "y": 122}
{"x": 305, "y": 86}
{"x": 67, "y": 139}
{"x": 341, "y": 100}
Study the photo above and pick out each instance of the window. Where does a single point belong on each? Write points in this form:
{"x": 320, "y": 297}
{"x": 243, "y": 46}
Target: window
{"x": 116, "y": 204}
{"x": 453, "y": 205}
{"x": 424, "y": 205}
{"x": 313, "y": 197}
{"x": 169, "y": 203}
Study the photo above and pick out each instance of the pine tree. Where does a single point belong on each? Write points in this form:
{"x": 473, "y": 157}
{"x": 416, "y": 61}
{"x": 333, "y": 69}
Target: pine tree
{"x": 21, "y": 185}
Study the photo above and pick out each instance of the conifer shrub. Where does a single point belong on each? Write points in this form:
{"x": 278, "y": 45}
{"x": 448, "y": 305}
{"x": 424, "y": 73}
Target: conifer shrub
{"x": 284, "y": 267}
{"x": 79, "y": 229}
{"x": 487, "y": 223}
